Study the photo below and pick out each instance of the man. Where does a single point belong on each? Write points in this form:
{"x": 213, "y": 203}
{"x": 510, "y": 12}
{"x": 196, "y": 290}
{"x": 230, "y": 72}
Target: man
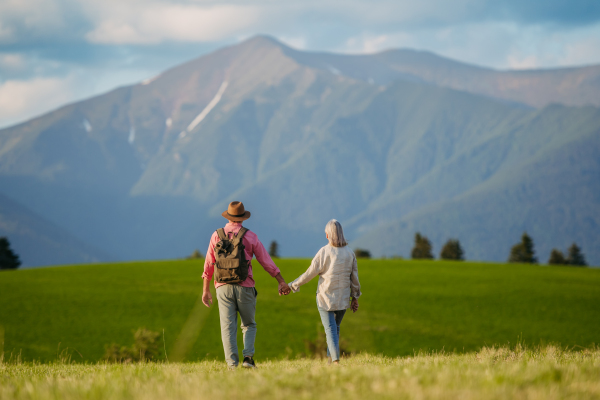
{"x": 234, "y": 283}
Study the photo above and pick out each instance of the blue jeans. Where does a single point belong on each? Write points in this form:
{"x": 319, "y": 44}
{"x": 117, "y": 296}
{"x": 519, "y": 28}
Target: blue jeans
{"x": 331, "y": 322}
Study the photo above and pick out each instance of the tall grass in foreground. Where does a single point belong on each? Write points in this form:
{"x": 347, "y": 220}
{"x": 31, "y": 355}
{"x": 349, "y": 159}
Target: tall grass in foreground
{"x": 491, "y": 373}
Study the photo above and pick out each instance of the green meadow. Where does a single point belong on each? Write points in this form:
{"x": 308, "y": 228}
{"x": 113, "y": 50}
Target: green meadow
{"x": 55, "y": 313}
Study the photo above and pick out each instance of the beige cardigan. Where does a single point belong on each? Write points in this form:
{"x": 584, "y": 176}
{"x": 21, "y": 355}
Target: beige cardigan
{"x": 338, "y": 277}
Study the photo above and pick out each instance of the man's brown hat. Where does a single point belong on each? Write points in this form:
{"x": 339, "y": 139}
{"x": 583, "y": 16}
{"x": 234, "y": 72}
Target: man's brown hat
{"x": 236, "y": 212}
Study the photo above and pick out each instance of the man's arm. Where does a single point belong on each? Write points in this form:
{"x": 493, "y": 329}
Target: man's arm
{"x": 206, "y": 295}
{"x": 209, "y": 268}
{"x": 267, "y": 263}
{"x": 284, "y": 289}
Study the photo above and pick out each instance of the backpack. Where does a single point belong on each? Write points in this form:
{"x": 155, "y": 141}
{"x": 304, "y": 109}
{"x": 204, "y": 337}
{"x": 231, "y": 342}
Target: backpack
{"x": 230, "y": 258}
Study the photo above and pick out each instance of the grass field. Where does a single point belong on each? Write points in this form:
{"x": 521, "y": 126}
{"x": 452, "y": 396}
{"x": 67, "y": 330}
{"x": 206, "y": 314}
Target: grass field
{"x": 492, "y": 373}
{"x": 406, "y": 306}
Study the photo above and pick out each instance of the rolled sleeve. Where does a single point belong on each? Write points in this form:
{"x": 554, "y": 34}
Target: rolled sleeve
{"x": 265, "y": 259}
{"x": 354, "y": 283}
{"x": 209, "y": 262}
{"x": 313, "y": 270}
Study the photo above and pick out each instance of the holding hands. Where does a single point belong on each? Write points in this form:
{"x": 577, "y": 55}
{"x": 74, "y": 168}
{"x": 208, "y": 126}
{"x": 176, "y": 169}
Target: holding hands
{"x": 284, "y": 289}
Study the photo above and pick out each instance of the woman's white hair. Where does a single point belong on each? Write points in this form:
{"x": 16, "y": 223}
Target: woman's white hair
{"x": 335, "y": 234}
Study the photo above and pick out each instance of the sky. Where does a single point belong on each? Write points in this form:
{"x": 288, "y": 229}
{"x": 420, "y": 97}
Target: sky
{"x": 53, "y": 52}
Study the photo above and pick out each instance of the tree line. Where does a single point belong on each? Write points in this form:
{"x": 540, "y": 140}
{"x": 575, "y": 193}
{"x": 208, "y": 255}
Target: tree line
{"x": 422, "y": 249}
{"x": 522, "y": 252}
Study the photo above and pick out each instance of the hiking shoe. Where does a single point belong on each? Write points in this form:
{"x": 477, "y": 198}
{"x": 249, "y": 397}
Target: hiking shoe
{"x": 248, "y": 362}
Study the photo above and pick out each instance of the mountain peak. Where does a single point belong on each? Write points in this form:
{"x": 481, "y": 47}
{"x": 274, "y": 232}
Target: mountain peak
{"x": 278, "y": 127}
{"x": 262, "y": 41}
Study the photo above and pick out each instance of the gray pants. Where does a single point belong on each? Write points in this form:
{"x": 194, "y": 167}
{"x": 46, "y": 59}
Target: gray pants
{"x": 234, "y": 299}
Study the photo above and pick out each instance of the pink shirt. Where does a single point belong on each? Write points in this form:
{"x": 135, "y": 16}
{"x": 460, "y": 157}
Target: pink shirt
{"x": 252, "y": 247}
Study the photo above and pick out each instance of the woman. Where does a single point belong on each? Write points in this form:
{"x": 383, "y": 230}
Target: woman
{"x": 338, "y": 281}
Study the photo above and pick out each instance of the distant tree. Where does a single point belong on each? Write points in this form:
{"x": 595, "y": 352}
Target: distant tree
{"x": 8, "y": 259}
{"x": 274, "y": 249}
{"x": 575, "y": 256}
{"x": 452, "y": 251}
{"x": 195, "y": 255}
{"x": 523, "y": 252}
{"x": 362, "y": 253}
{"x": 557, "y": 258}
{"x": 422, "y": 247}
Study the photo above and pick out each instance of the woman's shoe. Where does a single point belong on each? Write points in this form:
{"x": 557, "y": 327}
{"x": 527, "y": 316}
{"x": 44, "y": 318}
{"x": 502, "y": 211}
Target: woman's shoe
{"x": 248, "y": 362}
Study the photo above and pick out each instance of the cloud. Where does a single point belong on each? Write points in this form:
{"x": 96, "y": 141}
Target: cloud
{"x": 558, "y": 12}
{"x": 367, "y": 43}
{"x": 11, "y": 61}
{"x": 503, "y": 45}
{"x": 149, "y": 23}
{"x": 21, "y": 99}
{"x": 539, "y": 47}
{"x": 296, "y": 42}
{"x": 393, "y": 14}
{"x": 372, "y": 45}
{"x": 526, "y": 62}
{"x": 6, "y": 33}
{"x": 22, "y": 20}
{"x": 153, "y": 21}
{"x": 582, "y": 52}
{"x": 58, "y": 51}
{"x": 483, "y": 44}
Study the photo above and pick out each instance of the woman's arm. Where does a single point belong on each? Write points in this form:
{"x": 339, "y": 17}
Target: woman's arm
{"x": 316, "y": 266}
{"x": 354, "y": 283}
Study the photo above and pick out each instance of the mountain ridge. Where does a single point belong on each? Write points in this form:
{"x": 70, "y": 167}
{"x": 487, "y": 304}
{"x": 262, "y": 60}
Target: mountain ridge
{"x": 534, "y": 87}
{"x": 144, "y": 171}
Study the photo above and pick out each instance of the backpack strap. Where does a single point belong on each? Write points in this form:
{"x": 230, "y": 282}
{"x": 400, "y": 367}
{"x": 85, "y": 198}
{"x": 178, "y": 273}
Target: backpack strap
{"x": 221, "y": 233}
{"x": 241, "y": 233}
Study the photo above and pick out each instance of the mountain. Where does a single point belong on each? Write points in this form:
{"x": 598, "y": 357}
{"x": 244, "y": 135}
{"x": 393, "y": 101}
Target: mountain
{"x": 577, "y": 86}
{"x": 38, "y": 241}
{"x": 388, "y": 144}
{"x": 537, "y": 177}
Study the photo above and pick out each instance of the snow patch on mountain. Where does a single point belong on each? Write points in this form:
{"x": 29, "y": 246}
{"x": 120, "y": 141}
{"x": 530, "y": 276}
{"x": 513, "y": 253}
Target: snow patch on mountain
{"x": 149, "y": 80}
{"x": 333, "y": 70}
{"x": 215, "y": 100}
{"x": 131, "y": 137}
{"x": 168, "y": 122}
{"x": 87, "y": 126}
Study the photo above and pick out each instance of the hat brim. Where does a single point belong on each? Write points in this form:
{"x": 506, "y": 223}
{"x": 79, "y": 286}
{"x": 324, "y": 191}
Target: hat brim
{"x": 244, "y": 217}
